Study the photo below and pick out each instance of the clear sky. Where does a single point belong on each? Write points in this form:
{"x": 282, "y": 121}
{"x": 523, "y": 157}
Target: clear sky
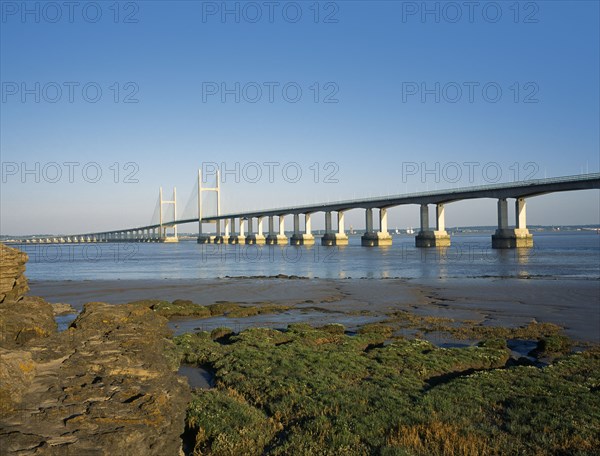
{"x": 380, "y": 96}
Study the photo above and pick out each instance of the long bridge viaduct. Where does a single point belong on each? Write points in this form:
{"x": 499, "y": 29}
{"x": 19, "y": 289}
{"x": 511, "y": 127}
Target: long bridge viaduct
{"x": 239, "y": 228}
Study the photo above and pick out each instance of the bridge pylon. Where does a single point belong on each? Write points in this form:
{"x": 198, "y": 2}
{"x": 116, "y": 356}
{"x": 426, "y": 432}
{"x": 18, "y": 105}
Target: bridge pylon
{"x": 206, "y": 238}
{"x": 162, "y": 234}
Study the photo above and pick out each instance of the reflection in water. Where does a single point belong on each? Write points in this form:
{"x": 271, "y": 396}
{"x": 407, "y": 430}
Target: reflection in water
{"x": 198, "y": 377}
{"x": 522, "y": 256}
{"x": 553, "y": 255}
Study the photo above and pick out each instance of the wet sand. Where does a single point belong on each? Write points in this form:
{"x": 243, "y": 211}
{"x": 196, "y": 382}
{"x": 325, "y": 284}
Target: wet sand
{"x": 573, "y": 304}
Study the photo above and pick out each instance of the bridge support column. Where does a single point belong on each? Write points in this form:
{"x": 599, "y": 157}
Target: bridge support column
{"x": 232, "y": 239}
{"x": 202, "y": 237}
{"x": 254, "y": 238}
{"x": 241, "y": 237}
{"x": 260, "y": 237}
{"x": 437, "y": 238}
{"x": 205, "y": 238}
{"x": 223, "y": 238}
{"x": 379, "y": 238}
{"x": 507, "y": 238}
{"x": 170, "y": 239}
{"x": 300, "y": 238}
{"x": 331, "y": 238}
{"x": 279, "y": 237}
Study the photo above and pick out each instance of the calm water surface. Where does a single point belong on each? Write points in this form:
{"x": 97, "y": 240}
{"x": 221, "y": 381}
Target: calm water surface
{"x": 558, "y": 255}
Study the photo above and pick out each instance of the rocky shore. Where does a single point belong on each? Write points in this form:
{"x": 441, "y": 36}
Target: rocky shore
{"x": 107, "y": 385}
{"x": 492, "y": 381}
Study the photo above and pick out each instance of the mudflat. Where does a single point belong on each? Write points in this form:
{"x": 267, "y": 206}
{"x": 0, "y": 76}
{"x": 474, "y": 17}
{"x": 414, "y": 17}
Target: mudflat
{"x": 570, "y": 303}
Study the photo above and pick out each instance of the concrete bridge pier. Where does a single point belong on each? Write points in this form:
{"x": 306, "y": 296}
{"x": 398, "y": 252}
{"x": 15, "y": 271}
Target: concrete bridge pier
{"x": 379, "y": 238}
{"x": 279, "y": 237}
{"x": 300, "y": 238}
{"x": 169, "y": 239}
{"x": 207, "y": 238}
{"x": 433, "y": 238}
{"x": 241, "y": 238}
{"x": 508, "y": 238}
{"x": 255, "y": 238}
{"x": 232, "y": 239}
{"x": 331, "y": 238}
{"x": 260, "y": 236}
{"x": 223, "y": 237}
{"x": 202, "y": 238}
{"x": 218, "y": 235}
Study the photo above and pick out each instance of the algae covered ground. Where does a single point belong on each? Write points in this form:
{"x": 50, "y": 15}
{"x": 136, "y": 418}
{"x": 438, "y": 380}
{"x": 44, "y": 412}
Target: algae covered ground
{"x": 321, "y": 391}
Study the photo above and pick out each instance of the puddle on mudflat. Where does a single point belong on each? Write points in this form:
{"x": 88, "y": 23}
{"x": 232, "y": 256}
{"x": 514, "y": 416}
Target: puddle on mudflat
{"x": 64, "y": 321}
{"x": 275, "y": 321}
{"x": 521, "y": 347}
{"x": 197, "y": 377}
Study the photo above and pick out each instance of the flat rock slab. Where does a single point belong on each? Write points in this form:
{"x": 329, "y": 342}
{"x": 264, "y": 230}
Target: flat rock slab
{"x": 106, "y": 385}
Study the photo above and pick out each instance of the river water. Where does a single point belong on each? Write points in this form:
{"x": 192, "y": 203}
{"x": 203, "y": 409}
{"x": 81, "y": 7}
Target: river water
{"x": 569, "y": 255}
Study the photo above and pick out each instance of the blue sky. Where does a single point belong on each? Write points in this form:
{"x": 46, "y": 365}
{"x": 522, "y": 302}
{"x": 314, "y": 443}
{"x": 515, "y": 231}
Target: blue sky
{"x": 533, "y": 110}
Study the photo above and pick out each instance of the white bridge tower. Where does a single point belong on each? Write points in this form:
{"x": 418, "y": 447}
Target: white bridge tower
{"x": 205, "y": 238}
{"x": 163, "y": 235}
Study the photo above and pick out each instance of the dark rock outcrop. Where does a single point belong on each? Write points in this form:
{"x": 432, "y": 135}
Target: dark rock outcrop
{"x": 107, "y": 385}
{"x": 21, "y": 318}
{"x": 25, "y": 320}
{"x": 13, "y": 283}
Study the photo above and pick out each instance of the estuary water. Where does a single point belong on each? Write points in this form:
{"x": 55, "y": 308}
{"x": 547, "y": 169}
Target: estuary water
{"x": 567, "y": 255}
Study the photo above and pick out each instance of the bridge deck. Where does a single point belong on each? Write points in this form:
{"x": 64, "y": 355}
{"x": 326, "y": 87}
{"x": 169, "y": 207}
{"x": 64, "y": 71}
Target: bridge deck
{"x": 520, "y": 189}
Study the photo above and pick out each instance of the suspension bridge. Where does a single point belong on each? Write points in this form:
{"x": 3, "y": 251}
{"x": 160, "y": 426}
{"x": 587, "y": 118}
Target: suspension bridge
{"x": 239, "y": 228}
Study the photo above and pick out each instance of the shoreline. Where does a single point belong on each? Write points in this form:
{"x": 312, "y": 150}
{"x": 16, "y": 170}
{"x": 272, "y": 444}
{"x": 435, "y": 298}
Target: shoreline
{"x": 570, "y": 303}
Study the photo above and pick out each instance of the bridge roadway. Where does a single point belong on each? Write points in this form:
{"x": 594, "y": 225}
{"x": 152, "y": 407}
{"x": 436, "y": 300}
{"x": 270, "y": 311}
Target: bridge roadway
{"x": 505, "y": 236}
